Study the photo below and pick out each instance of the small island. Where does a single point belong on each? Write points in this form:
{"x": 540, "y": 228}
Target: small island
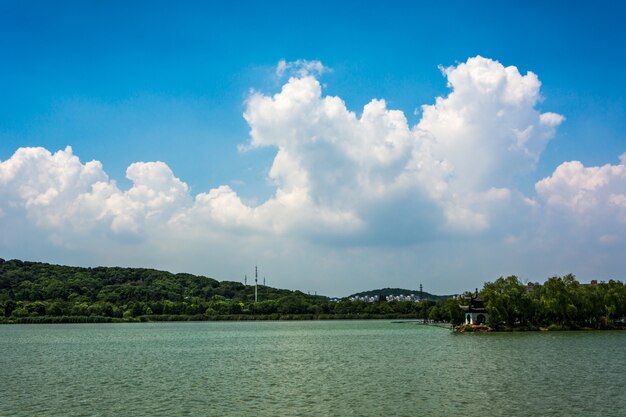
{"x": 560, "y": 303}
{"x": 33, "y": 292}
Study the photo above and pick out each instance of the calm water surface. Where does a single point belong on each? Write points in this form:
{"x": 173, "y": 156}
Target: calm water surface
{"x": 346, "y": 368}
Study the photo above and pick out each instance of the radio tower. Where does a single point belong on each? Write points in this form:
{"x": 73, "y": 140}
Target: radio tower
{"x": 245, "y": 280}
{"x": 256, "y": 279}
{"x": 421, "y": 293}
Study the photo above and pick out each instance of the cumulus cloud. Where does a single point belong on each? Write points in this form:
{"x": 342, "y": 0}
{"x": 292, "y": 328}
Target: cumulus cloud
{"x": 337, "y": 173}
{"x": 59, "y": 193}
{"x": 357, "y": 178}
{"x": 328, "y": 159}
{"x": 491, "y": 115}
{"x": 594, "y": 197}
{"x": 347, "y": 162}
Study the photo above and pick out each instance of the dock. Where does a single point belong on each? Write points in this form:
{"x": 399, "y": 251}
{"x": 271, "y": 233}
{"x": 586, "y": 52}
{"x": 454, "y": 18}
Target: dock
{"x": 448, "y": 326}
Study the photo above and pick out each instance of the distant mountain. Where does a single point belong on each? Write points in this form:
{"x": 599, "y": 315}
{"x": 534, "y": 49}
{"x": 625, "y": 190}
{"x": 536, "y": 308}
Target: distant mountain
{"x": 400, "y": 291}
{"x": 36, "y": 281}
{"x": 35, "y": 292}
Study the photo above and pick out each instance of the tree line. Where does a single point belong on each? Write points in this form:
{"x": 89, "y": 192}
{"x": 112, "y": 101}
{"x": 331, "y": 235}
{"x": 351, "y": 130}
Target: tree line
{"x": 33, "y": 292}
{"x": 558, "y": 303}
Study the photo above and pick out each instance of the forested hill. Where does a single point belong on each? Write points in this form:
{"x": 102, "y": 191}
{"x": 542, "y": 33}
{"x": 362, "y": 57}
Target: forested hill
{"x": 386, "y": 292}
{"x": 32, "y": 292}
{"x": 34, "y": 281}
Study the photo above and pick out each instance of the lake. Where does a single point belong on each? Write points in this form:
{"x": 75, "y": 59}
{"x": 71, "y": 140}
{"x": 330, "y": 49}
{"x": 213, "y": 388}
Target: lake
{"x": 315, "y": 368}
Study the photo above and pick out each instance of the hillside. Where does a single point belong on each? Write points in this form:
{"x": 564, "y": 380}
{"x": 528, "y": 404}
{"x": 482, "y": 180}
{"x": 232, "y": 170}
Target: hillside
{"x": 400, "y": 291}
{"x": 34, "y": 281}
{"x": 38, "y": 292}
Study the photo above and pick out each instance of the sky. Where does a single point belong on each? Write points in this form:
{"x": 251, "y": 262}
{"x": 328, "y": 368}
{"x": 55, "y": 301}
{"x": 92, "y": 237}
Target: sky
{"x": 339, "y": 147}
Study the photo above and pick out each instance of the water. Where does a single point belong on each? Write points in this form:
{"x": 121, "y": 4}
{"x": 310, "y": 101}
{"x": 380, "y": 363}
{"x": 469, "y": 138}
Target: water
{"x": 347, "y": 368}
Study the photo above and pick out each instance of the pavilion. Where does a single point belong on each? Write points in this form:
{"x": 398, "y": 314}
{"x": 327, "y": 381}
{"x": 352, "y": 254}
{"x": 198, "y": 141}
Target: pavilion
{"x": 475, "y": 312}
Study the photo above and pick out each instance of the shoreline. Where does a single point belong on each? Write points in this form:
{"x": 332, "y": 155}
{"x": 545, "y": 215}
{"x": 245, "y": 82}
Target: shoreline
{"x": 472, "y": 328}
{"x": 463, "y": 328}
{"x": 198, "y": 318}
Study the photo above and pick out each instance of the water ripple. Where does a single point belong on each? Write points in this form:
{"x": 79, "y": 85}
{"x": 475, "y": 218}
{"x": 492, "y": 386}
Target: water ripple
{"x": 330, "y": 368}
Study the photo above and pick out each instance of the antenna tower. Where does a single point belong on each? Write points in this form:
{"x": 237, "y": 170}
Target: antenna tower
{"x": 256, "y": 279}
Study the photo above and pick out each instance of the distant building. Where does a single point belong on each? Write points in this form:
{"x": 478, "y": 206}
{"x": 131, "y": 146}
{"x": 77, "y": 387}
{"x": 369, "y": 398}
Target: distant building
{"x": 392, "y": 297}
{"x": 475, "y": 312}
{"x": 367, "y": 299}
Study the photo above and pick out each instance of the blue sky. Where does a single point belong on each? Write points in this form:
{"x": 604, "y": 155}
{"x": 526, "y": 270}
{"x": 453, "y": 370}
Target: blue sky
{"x": 126, "y": 82}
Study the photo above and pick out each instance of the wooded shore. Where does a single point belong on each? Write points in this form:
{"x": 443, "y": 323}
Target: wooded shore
{"x": 32, "y": 292}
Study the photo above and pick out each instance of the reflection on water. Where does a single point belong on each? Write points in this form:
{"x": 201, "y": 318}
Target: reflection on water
{"x": 346, "y": 368}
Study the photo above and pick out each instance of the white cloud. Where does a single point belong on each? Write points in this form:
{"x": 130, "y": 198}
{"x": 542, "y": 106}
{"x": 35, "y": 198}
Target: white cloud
{"x": 57, "y": 192}
{"x": 45, "y": 184}
{"x": 579, "y": 222}
{"x": 362, "y": 179}
{"x": 477, "y": 138}
{"x": 594, "y": 196}
{"x": 488, "y": 128}
{"x": 336, "y": 173}
{"x": 300, "y": 68}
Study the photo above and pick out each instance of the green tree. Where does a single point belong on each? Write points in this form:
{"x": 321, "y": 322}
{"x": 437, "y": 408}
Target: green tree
{"x": 507, "y": 301}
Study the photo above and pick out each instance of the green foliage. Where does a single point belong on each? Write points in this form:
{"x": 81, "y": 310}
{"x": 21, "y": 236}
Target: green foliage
{"x": 560, "y": 303}
{"x": 396, "y": 291}
{"x": 37, "y": 292}
{"x": 507, "y": 301}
